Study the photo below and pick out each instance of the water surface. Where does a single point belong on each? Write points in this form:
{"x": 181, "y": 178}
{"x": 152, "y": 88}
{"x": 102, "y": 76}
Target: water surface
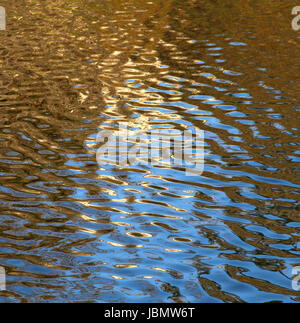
{"x": 73, "y": 231}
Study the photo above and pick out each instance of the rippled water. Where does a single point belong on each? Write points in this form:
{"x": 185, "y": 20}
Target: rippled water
{"x": 74, "y": 231}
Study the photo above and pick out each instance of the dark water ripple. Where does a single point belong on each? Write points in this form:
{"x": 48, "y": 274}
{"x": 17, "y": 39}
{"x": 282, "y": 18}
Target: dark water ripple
{"x": 74, "y": 231}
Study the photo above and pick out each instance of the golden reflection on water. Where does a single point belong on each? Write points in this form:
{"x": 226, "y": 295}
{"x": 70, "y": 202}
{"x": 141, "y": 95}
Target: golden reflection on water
{"x": 73, "y": 230}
